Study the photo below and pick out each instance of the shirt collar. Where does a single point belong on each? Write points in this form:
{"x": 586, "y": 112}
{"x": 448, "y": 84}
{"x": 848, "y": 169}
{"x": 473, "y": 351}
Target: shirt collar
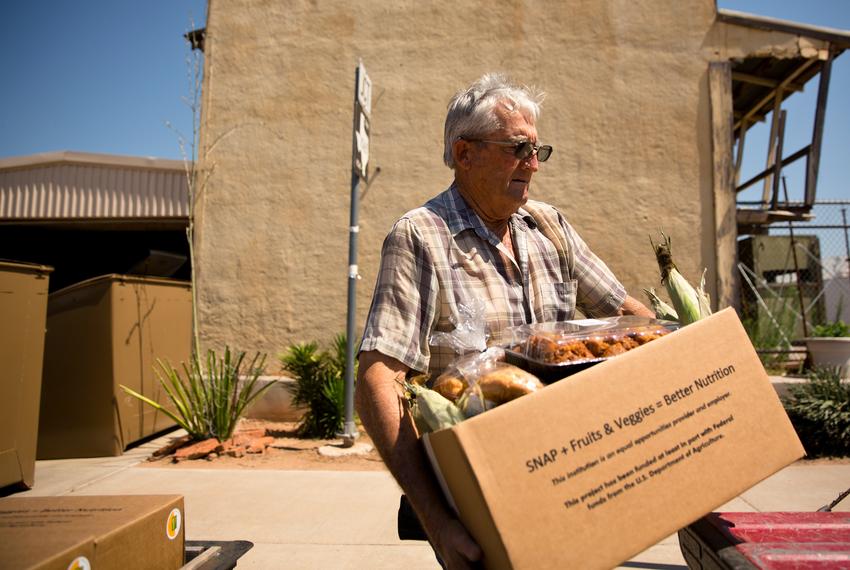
{"x": 460, "y": 216}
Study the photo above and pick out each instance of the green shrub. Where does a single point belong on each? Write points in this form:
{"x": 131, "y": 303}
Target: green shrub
{"x": 771, "y": 332}
{"x": 836, "y": 329}
{"x": 209, "y": 401}
{"x": 820, "y": 412}
{"x": 319, "y": 386}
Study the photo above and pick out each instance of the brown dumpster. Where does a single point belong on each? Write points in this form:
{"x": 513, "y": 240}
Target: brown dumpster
{"x": 23, "y": 307}
{"x": 101, "y": 333}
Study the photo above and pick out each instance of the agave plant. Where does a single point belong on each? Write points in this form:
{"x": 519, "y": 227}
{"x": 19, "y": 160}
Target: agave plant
{"x": 207, "y": 397}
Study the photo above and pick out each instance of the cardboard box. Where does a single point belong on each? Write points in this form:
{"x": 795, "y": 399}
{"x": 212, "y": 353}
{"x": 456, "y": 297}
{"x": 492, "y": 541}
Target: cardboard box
{"x": 596, "y": 468}
{"x": 101, "y": 333}
{"x": 122, "y": 532}
{"x": 23, "y": 306}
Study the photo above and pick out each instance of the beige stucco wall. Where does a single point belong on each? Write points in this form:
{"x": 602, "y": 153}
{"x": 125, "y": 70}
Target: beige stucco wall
{"x": 627, "y": 111}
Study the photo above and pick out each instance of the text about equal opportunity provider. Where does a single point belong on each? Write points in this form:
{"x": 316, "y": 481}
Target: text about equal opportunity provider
{"x": 639, "y": 465}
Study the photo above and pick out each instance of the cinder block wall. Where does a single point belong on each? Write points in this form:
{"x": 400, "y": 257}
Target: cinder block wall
{"x": 627, "y": 111}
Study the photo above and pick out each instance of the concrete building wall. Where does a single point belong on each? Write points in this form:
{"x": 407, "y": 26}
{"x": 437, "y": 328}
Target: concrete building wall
{"x": 627, "y": 111}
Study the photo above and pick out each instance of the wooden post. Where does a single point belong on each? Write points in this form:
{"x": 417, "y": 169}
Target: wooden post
{"x": 725, "y": 224}
{"x": 817, "y": 134}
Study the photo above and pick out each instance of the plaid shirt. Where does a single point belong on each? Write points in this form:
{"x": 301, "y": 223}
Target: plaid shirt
{"x": 441, "y": 257}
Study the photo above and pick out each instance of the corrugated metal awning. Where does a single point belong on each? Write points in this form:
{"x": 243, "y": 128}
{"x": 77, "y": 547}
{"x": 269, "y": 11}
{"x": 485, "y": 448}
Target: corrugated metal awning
{"x": 68, "y": 186}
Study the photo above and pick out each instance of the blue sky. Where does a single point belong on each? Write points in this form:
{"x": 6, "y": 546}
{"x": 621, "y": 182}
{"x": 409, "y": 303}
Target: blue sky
{"x": 105, "y": 76}
{"x": 95, "y": 76}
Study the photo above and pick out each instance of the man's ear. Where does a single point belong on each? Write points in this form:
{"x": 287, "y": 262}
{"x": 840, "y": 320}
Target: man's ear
{"x": 461, "y": 150}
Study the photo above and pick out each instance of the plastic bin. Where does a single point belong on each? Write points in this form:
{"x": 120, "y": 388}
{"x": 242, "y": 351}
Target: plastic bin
{"x": 774, "y": 541}
{"x": 23, "y": 306}
{"x": 101, "y": 333}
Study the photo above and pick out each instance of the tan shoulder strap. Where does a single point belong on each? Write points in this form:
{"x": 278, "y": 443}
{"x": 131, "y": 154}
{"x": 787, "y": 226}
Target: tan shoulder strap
{"x": 553, "y": 232}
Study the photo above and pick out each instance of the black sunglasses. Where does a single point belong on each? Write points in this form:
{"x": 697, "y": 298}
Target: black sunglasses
{"x": 522, "y": 150}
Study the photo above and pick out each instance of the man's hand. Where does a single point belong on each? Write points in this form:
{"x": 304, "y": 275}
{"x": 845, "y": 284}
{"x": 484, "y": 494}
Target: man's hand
{"x": 632, "y": 306}
{"x": 457, "y": 549}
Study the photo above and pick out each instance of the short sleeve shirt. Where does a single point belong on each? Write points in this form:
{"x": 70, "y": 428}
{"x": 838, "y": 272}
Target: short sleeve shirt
{"x": 440, "y": 258}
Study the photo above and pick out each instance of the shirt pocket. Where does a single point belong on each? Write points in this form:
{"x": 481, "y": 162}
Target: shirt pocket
{"x": 557, "y": 301}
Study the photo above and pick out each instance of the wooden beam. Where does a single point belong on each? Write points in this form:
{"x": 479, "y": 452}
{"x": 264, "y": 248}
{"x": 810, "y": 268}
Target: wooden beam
{"x": 739, "y": 159}
{"x": 769, "y": 97}
{"x": 771, "y": 147}
{"x": 727, "y": 288}
{"x": 763, "y": 81}
{"x": 817, "y": 134}
{"x": 777, "y": 164}
{"x": 785, "y": 162}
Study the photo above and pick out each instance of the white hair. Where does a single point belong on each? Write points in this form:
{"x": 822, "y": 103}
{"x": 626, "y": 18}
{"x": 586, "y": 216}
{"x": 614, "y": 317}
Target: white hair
{"x": 472, "y": 111}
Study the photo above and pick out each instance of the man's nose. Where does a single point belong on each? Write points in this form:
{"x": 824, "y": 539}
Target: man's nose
{"x": 531, "y": 163}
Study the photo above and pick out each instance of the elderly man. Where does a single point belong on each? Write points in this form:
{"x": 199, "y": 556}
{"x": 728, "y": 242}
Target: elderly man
{"x": 479, "y": 239}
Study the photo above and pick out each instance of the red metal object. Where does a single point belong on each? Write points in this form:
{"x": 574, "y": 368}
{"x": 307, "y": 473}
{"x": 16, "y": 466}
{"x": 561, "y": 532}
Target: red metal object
{"x": 768, "y": 541}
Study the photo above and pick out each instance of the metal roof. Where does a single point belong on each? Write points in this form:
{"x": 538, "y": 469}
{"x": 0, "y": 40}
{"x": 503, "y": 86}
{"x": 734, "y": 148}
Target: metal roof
{"x": 76, "y": 186}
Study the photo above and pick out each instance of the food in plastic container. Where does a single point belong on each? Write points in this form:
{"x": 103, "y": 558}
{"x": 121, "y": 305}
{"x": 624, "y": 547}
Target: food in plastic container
{"x": 553, "y": 351}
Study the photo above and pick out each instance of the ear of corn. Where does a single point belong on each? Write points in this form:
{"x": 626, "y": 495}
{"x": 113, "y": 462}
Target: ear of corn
{"x": 435, "y": 411}
{"x": 690, "y": 304}
{"x": 661, "y": 309}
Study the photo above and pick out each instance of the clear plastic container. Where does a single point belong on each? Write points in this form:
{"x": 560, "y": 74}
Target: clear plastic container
{"x": 554, "y": 350}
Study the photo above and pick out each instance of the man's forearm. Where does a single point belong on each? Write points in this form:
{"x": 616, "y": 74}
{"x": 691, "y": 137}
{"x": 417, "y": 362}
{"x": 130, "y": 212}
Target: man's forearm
{"x": 384, "y": 416}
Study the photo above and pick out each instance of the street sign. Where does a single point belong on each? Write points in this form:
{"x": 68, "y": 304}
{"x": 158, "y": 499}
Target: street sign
{"x": 361, "y": 150}
{"x": 362, "y": 112}
{"x": 364, "y": 90}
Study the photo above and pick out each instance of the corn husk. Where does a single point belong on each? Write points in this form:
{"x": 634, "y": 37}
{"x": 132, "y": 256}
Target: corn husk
{"x": 430, "y": 410}
{"x": 689, "y": 304}
{"x": 702, "y": 296}
{"x": 661, "y": 309}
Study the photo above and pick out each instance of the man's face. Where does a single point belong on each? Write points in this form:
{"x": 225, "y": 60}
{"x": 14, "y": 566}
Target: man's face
{"x": 499, "y": 181}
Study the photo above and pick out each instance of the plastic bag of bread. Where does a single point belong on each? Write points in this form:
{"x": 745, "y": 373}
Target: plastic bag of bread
{"x": 481, "y": 381}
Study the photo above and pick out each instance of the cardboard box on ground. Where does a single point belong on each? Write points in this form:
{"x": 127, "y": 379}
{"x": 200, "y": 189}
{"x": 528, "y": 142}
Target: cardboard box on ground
{"x": 121, "y": 532}
{"x": 596, "y": 468}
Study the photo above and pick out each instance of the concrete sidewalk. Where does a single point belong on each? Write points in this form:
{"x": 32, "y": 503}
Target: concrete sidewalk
{"x": 346, "y": 519}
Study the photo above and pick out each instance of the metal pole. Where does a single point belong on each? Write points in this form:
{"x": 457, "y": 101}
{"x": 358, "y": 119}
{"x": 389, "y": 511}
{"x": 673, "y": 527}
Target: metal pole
{"x": 349, "y": 431}
{"x": 846, "y": 240}
{"x": 796, "y": 265}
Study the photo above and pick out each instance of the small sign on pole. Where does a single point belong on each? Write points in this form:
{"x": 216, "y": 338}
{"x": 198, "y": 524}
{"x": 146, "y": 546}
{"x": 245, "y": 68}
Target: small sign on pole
{"x": 362, "y": 113}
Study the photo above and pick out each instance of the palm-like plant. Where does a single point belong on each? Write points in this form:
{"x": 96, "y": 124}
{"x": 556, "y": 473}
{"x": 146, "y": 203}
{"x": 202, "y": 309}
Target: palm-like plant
{"x": 820, "y": 412}
{"x": 209, "y": 401}
{"x": 319, "y": 386}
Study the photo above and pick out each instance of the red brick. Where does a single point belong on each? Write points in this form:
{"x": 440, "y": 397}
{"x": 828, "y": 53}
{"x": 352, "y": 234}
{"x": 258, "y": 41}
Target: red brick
{"x": 198, "y": 450}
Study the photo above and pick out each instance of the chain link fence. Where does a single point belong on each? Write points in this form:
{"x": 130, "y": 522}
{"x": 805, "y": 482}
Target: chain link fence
{"x": 794, "y": 278}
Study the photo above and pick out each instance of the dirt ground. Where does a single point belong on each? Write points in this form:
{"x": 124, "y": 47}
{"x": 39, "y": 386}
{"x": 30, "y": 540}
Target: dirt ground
{"x": 288, "y": 452}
